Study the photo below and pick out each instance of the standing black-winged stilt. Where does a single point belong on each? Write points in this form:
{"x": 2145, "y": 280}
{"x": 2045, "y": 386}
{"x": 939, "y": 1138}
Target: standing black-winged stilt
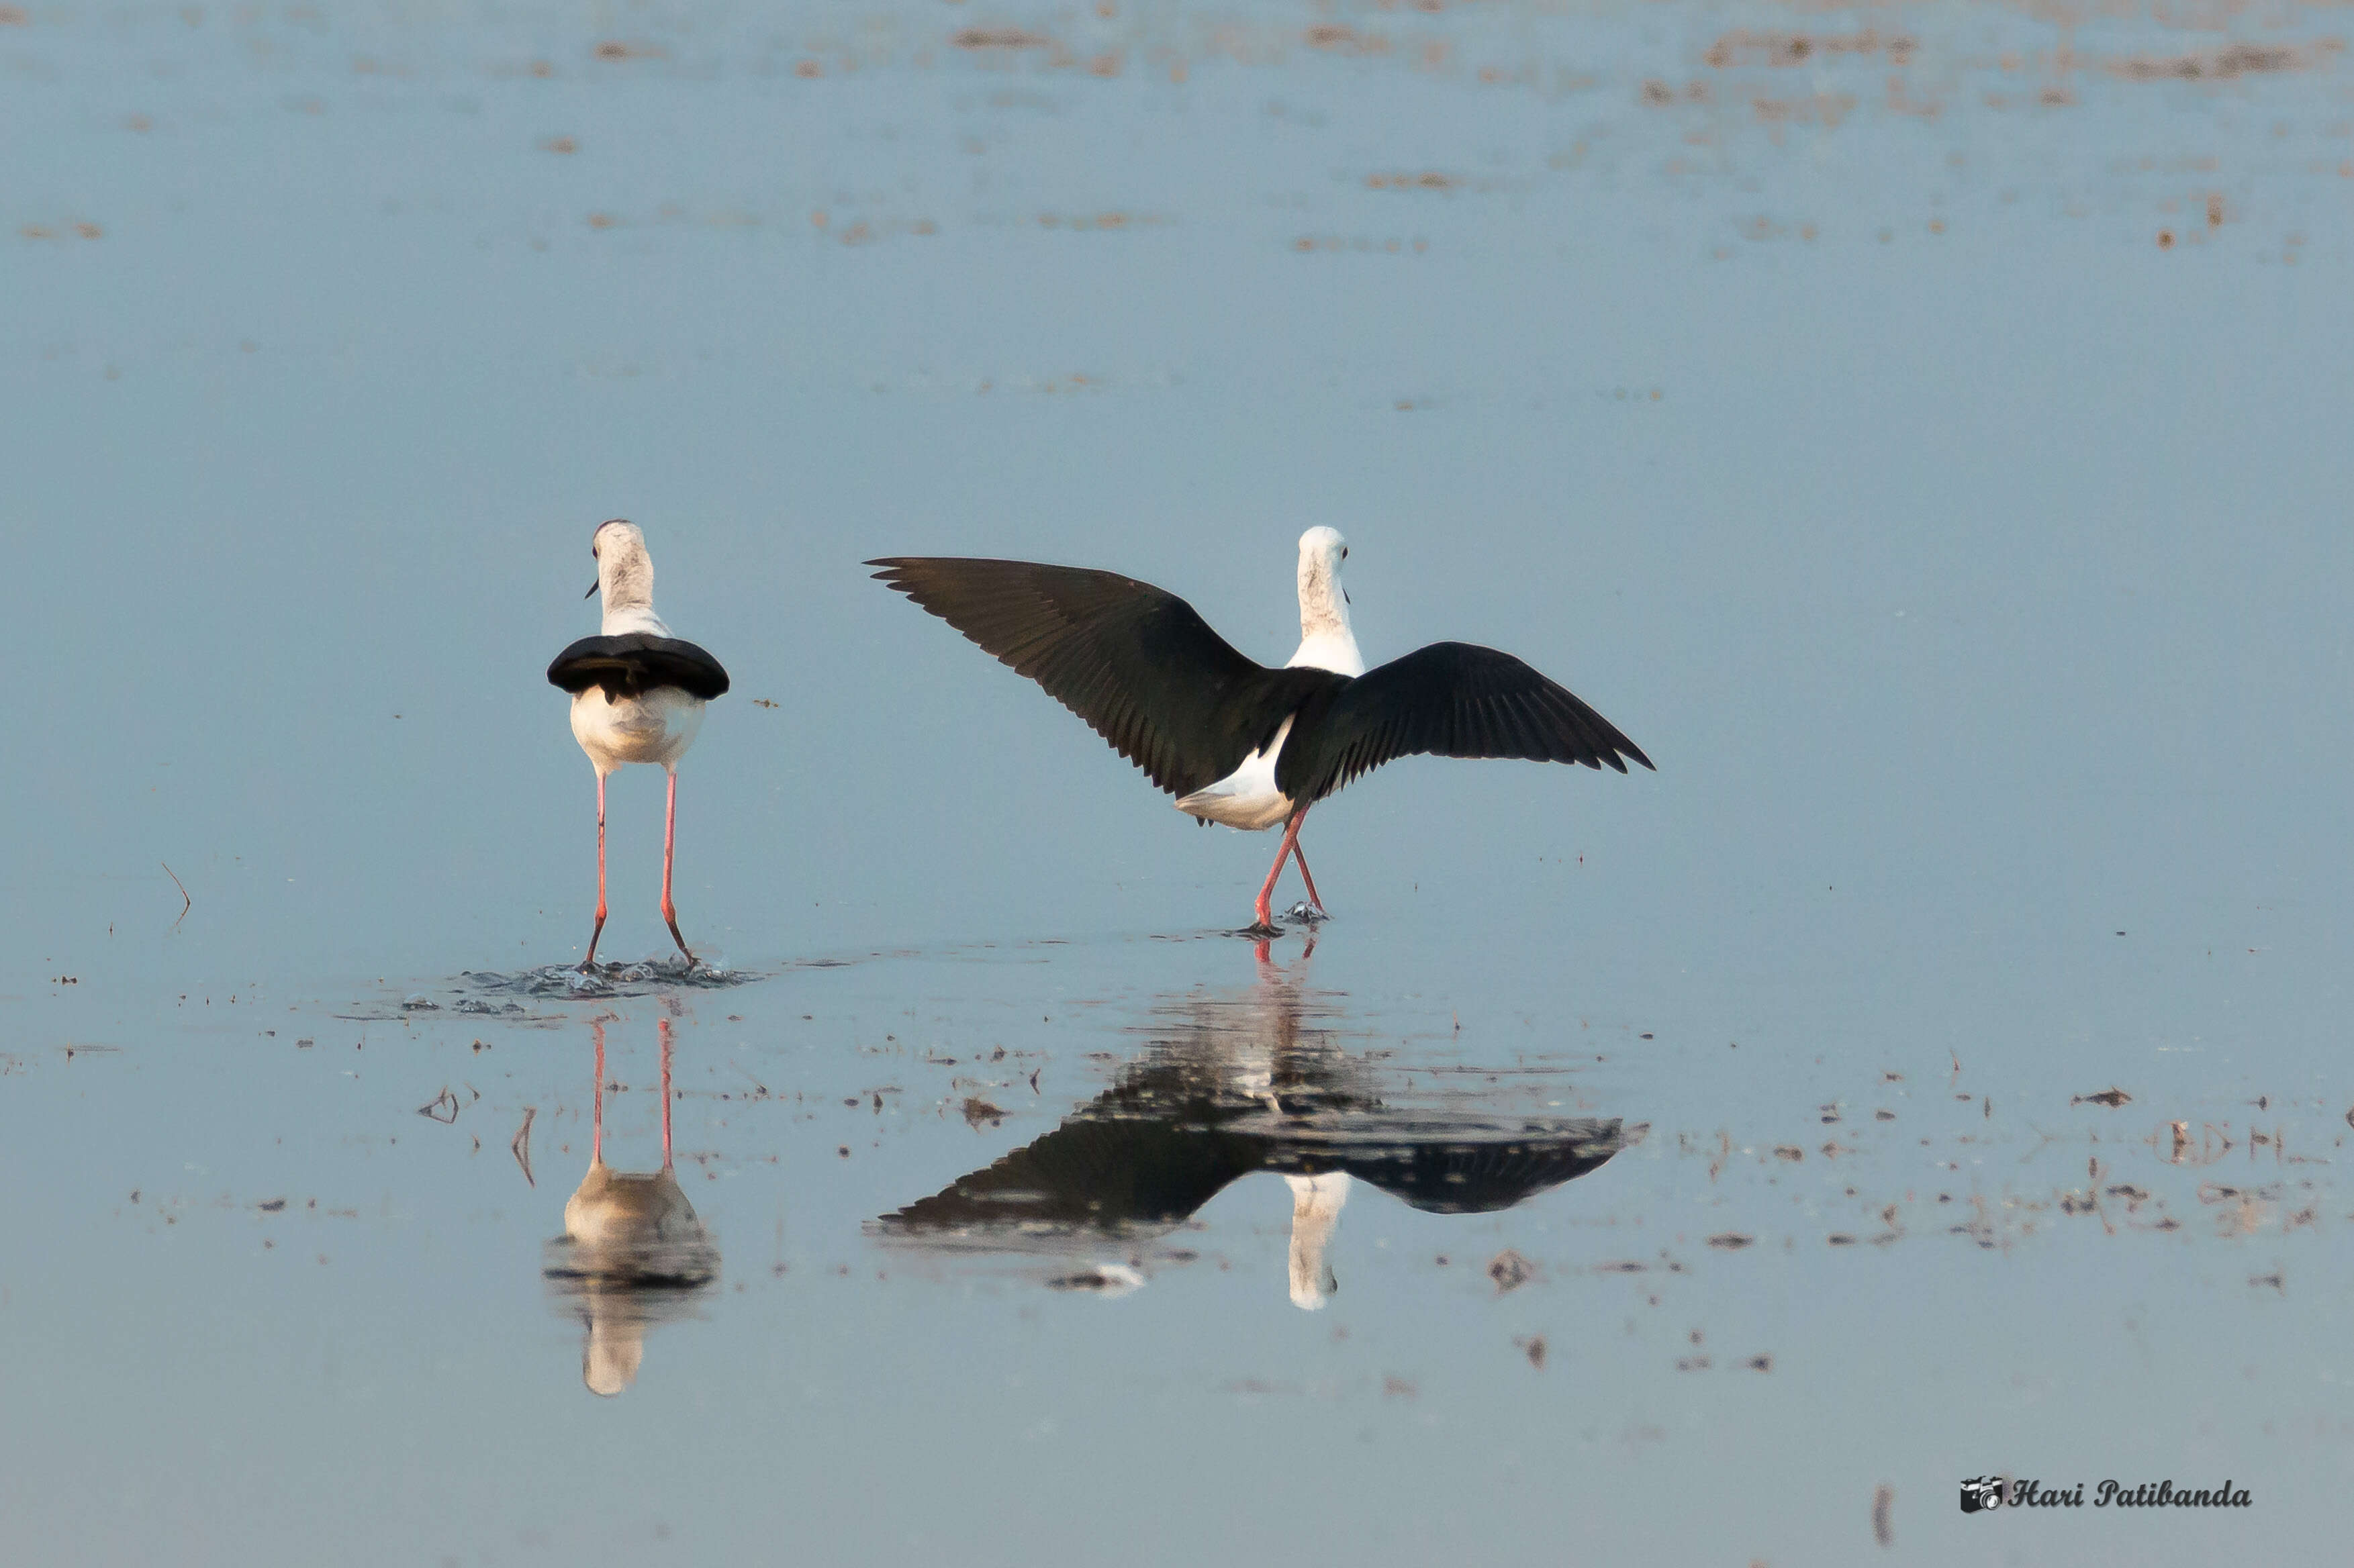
{"x": 1235, "y": 742}
{"x": 637, "y": 694}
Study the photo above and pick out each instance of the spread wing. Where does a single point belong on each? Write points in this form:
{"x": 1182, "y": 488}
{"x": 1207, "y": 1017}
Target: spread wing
{"x": 1088, "y": 1177}
{"x": 1450, "y": 699}
{"x": 1137, "y": 663}
{"x": 1446, "y": 1170}
{"x": 635, "y": 663}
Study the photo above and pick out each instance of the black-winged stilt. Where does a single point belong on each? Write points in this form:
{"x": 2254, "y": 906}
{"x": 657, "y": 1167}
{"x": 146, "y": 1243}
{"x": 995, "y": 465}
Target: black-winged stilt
{"x": 1235, "y": 741}
{"x": 637, "y": 694}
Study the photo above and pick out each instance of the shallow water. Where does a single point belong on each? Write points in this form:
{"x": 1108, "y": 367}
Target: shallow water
{"x": 1923, "y": 432}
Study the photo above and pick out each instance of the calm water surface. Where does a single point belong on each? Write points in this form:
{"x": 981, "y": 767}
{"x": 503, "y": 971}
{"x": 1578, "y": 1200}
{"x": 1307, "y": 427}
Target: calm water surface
{"x": 1922, "y": 431}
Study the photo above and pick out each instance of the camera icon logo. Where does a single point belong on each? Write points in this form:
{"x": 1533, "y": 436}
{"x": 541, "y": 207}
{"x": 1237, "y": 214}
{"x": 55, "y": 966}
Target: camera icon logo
{"x": 1981, "y": 1493}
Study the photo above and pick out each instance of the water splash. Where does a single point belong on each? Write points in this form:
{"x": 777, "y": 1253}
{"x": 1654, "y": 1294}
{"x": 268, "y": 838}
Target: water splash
{"x": 569, "y": 982}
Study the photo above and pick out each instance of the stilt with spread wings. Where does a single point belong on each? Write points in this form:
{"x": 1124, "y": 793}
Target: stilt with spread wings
{"x": 1236, "y": 742}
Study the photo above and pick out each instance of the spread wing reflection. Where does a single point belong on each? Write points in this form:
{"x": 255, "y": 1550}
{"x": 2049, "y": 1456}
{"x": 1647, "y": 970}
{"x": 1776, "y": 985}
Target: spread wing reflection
{"x": 634, "y": 1254}
{"x": 1239, "y": 1086}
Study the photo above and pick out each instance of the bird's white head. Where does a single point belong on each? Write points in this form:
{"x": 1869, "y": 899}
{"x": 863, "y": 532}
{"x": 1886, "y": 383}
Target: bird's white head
{"x": 626, "y": 575}
{"x": 1316, "y": 1203}
{"x": 1325, "y": 640}
{"x": 615, "y": 1350}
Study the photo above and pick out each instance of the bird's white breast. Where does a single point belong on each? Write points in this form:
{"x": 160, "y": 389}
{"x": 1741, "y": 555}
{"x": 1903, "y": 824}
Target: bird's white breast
{"x": 1330, "y": 647}
{"x": 619, "y": 621}
{"x": 657, "y": 728}
{"x": 1246, "y": 798}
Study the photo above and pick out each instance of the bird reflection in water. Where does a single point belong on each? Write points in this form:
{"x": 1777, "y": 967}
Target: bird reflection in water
{"x": 632, "y": 1253}
{"x": 1240, "y": 1088}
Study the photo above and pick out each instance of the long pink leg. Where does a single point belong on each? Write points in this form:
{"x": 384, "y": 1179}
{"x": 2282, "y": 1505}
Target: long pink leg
{"x": 597, "y": 1147}
{"x": 590, "y": 962}
{"x": 1290, "y": 843}
{"x": 662, "y": 1025}
{"x": 670, "y": 838}
{"x": 1301, "y": 856}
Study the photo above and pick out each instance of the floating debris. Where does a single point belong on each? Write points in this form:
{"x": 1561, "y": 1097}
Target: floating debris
{"x": 2225, "y": 64}
{"x": 998, "y": 38}
{"x": 1510, "y": 1270}
{"x": 520, "y": 1147}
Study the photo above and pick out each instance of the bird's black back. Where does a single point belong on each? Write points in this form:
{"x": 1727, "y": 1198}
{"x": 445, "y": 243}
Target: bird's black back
{"x": 637, "y": 662}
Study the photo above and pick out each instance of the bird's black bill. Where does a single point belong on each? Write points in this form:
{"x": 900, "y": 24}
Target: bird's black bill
{"x": 591, "y": 593}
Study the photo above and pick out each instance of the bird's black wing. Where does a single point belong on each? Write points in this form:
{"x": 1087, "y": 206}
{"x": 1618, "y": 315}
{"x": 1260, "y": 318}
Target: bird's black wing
{"x": 1450, "y": 699}
{"x": 637, "y": 662}
{"x": 1137, "y": 663}
{"x": 1089, "y": 1176}
{"x": 1478, "y": 1175}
